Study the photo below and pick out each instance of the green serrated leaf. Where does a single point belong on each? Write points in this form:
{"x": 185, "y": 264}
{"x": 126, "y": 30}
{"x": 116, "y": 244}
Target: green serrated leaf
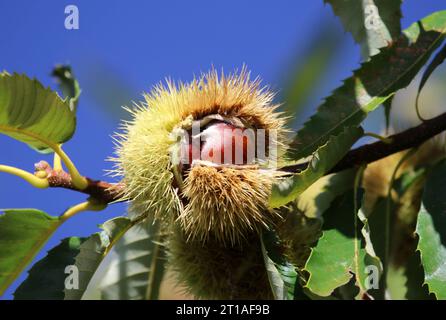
{"x": 33, "y": 114}
{"x": 372, "y": 84}
{"x": 339, "y": 255}
{"x": 318, "y": 197}
{"x": 433, "y": 252}
{"x": 325, "y": 158}
{"x": 46, "y": 279}
{"x": 23, "y": 232}
{"x": 137, "y": 271}
{"x": 373, "y": 23}
{"x": 282, "y": 275}
{"x": 431, "y": 231}
{"x": 93, "y": 251}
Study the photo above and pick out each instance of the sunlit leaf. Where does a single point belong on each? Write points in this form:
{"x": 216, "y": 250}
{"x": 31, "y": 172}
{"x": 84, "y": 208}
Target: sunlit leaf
{"x": 33, "y": 114}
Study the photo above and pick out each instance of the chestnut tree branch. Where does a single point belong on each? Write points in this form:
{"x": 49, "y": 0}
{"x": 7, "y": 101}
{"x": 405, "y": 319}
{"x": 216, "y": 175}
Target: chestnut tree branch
{"x": 101, "y": 191}
{"x": 107, "y": 192}
{"x": 368, "y": 153}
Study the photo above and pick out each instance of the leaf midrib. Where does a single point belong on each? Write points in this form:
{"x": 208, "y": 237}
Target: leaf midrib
{"x": 30, "y": 134}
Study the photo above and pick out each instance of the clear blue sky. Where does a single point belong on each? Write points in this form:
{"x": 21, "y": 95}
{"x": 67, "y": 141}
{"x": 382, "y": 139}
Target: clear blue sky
{"x": 124, "y": 47}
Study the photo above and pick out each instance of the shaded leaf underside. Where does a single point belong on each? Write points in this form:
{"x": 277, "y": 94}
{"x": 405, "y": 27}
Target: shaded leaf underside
{"x": 137, "y": 270}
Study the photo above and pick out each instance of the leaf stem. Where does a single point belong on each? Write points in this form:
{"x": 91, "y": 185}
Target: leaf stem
{"x": 79, "y": 181}
{"x": 89, "y": 205}
{"x": 57, "y": 163}
{"x": 417, "y": 108}
{"x": 377, "y": 136}
{"x": 37, "y": 182}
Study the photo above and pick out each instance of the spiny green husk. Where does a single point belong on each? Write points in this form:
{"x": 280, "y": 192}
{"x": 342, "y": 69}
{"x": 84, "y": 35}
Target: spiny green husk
{"x": 144, "y": 156}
